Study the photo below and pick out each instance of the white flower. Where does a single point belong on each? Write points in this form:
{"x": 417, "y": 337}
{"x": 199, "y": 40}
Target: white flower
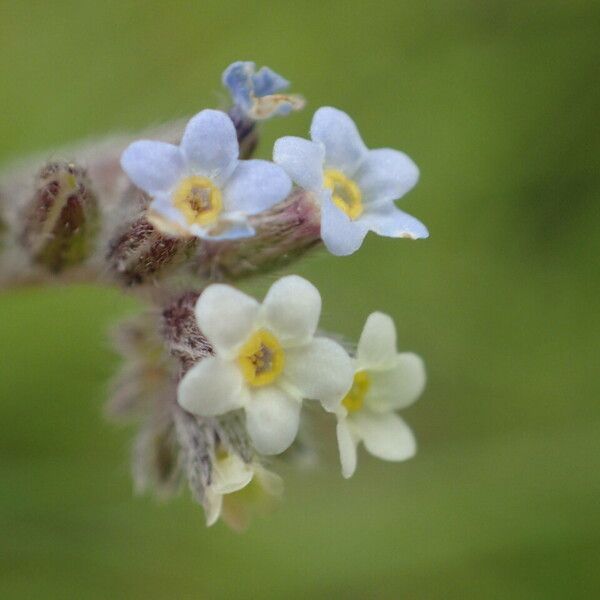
{"x": 231, "y": 475}
{"x": 356, "y": 187}
{"x": 266, "y": 360}
{"x": 200, "y": 187}
{"x": 384, "y": 381}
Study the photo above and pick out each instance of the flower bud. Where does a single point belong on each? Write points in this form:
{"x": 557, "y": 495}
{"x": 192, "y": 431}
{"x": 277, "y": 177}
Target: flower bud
{"x": 283, "y": 233}
{"x": 61, "y": 221}
{"x": 140, "y": 252}
{"x": 247, "y": 132}
{"x": 184, "y": 339}
{"x": 155, "y": 457}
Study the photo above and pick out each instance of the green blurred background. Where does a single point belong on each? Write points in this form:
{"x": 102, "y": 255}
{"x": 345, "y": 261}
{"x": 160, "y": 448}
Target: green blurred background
{"x": 496, "y": 102}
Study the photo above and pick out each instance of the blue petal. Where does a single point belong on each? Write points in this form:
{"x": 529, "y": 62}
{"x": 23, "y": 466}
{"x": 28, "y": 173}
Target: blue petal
{"x": 153, "y": 166}
{"x": 237, "y": 77}
{"x": 344, "y": 148}
{"x": 340, "y": 234}
{"x": 267, "y": 82}
{"x": 389, "y": 221}
{"x": 234, "y": 231}
{"x": 302, "y": 160}
{"x": 255, "y": 186}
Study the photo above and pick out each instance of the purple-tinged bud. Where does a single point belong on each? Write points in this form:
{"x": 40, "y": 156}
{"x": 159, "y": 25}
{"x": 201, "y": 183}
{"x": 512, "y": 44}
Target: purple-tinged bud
{"x": 61, "y": 221}
{"x": 196, "y": 439}
{"x": 283, "y": 233}
{"x": 247, "y": 132}
{"x": 182, "y": 335}
{"x": 140, "y": 253}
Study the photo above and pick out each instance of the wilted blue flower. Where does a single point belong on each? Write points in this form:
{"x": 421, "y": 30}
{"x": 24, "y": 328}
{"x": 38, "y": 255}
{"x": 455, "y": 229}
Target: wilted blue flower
{"x": 255, "y": 93}
{"x": 356, "y": 187}
{"x": 200, "y": 187}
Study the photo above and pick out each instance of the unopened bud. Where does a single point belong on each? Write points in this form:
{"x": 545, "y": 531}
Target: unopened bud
{"x": 247, "y": 132}
{"x": 182, "y": 335}
{"x": 61, "y": 221}
{"x": 156, "y": 464}
{"x": 283, "y": 233}
{"x": 140, "y": 252}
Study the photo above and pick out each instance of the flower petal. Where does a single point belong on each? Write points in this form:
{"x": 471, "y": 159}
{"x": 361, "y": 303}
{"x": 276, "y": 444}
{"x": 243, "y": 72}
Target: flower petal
{"x": 213, "y": 504}
{"x": 302, "y": 160}
{"x": 344, "y": 148}
{"x": 162, "y": 207}
{"x": 377, "y": 343}
{"x": 266, "y": 81}
{"x": 226, "y": 316}
{"x": 389, "y": 221}
{"x": 386, "y": 174}
{"x": 231, "y": 474}
{"x": 340, "y": 234}
{"x": 272, "y": 419}
{"x": 291, "y": 310}
{"x": 226, "y": 229}
{"x": 320, "y": 370}
{"x": 399, "y": 386}
{"x": 210, "y": 145}
{"x": 212, "y": 387}
{"x": 153, "y": 166}
{"x": 347, "y": 448}
{"x": 254, "y": 186}
{"x": 386, "y": 436}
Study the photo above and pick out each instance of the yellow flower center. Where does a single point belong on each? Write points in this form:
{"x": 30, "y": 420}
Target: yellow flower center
{"x": 261, "y": 358}
{"x": 346, "y": 194}
{"x": 198, "y": 200}
{"x": 355, "y": 398}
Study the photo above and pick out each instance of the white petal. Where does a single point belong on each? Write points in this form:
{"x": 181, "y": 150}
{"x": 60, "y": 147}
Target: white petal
{"x": 389, "y": 221}
{"x": 153, "y": 166}
{"x": 320, "y": 370}
{"x": 210, "y": 145}
{"x": 291, "y": 309}
{"x": 339, "y": 233}
{"x": 302, "y": 160}
{"x": 344, "y": 148}
{"x": 377, "y": 344}
{"x": 347, "y": 448}
{"x": 254, "y": 186}
{"x": 213, "y": 503}
{"x": 272, "y": 419}
{"x": 386, "y": 436}
{"x": 386, "y": 174}
{"x": 231, "y": 474}
{"x": 212, "y": 387}
{"x": 226, "y": 316}
{"x": 399, "y": 386}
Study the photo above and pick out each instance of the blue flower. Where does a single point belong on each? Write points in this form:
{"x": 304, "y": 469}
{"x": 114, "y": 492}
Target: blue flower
{"x": 200, "y": 187}
{"x": 255, "y": 93}
{"x": 356, "y": 187}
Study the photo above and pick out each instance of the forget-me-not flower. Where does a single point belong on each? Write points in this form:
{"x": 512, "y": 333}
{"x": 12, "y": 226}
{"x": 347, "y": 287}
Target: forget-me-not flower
{"x": 266, "y": 360}
{"x": 355, "y": 186}
{"x": 255, "y": 93}
{"x": 384, "y": 381}
{"x": 200, "y": 187}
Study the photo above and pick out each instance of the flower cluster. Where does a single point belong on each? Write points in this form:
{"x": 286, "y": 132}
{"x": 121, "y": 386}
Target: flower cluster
{"x": 201, "y": 188}
{"x": 226, "y": 388}
{"x": 257, "y": 364}
{"x": 267, "y": 360}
